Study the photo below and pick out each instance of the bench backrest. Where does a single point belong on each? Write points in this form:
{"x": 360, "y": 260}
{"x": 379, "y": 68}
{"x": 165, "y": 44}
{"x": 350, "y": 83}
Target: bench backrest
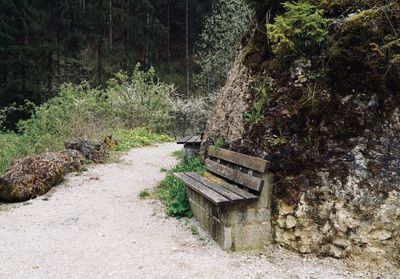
{"x": 243, "y": 170}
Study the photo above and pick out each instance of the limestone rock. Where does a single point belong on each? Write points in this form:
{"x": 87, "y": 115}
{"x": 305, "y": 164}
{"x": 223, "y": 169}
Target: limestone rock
{"x": 285, "y": 209}
{"x": 381, "y": 234}
{"x": 336, "y": 251}
{"x": 291, "y": 221}
{"x": 93, "y": 151}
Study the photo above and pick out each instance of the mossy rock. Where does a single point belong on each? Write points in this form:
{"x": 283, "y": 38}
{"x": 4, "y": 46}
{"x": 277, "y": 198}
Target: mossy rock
{"x": 33, "y": 176}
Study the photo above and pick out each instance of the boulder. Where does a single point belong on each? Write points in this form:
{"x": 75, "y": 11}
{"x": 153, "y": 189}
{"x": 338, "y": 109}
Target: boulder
{"x": 32, "y": 176}
{"x": 92, "y": 151}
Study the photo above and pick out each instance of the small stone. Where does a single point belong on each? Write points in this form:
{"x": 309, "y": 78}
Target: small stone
{"x": 281, "y": 221}
{"x": 381, "y": 234}
{"x": 336, "y": 252}
{"x": 285, "y": 209}
{"x": 291, "y": 221}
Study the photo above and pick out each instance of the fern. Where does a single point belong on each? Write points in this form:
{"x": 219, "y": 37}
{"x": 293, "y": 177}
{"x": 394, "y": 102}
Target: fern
{"x": 301, "y": 30}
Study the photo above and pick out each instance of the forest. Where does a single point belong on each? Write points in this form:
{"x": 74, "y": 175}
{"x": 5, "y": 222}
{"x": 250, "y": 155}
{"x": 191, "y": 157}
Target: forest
{"x": 90, "y": 54}
{"x": 47, "y": 43}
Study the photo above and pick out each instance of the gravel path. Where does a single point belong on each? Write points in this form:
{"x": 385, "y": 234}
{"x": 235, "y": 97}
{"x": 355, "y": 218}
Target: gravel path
{"x": 95, "y": 226}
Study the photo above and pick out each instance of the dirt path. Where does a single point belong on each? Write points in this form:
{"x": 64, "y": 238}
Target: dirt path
{"x": 94, "y": 226}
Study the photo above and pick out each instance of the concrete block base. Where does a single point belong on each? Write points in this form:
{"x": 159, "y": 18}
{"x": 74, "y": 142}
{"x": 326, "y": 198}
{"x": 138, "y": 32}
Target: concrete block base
{"x": 237, "y": 227}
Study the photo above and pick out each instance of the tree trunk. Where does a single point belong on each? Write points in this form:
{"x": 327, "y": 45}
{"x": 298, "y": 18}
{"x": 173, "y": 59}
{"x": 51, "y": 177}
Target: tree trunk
{"x": 147, "y": 39}
{"x": 111, "y": 26}
{"x": 168, "y": 31}
{"x": 187, "y": 51}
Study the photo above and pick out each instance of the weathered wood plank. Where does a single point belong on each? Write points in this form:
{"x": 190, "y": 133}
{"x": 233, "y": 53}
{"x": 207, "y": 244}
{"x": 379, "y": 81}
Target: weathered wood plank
{"x": 236, "y": 176}
{"x": 215, "y": 187}
{"x": 247, "y": 161}
{"x": 183, "y": 140}
{"x": 194, "y": 139}
{"x": 211, "y": 195}
{"x": 211, "y": 177}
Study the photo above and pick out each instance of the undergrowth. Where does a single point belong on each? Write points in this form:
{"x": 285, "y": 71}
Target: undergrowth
{"x": 172, "y": 192}
{"x": 13, "y": 146}
{"x": 140, "y": 137}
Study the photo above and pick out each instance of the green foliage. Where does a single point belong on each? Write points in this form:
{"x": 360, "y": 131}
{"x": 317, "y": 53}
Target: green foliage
{"x": 301, "y": 30}
{"x": 217, "y": 44}
{"x": 256, "y": 115}
{"x": 140, "y": 101}
{"x": 179, "y": 154}
{"x": 220, "y": 143}
{"x": 144, "y": 194}
{"x": 80, "y": 111}
{"x": 128, "y": 139}
{"x": 44, "y": 44}
{"x": 172, "y": 192}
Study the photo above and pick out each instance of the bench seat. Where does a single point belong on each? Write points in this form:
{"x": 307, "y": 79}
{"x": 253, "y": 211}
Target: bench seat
{"x": 218, "y": 193}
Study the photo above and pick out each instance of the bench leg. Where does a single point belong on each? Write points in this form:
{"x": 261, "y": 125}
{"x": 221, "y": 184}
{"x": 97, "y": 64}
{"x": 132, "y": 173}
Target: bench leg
{"x": 236, "y": 227}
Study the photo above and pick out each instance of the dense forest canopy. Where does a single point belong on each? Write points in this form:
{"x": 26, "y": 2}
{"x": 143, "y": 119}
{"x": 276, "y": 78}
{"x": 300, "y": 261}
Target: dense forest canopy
{"x": 45, "y": 43}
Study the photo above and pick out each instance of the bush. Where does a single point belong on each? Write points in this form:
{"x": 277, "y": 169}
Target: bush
{"x": 301, "y": 30}
{"x": 141, "y": 101}
{"x": 124, "y": 107}
{"x": 222, "y": 30}
{"x": 77, "y": 112}
{"x": 172, "y": 192}
{"x": 190, "y": 115}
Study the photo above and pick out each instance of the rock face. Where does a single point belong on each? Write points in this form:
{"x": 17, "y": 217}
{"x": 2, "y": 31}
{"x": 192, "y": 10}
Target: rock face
{"x": 32, "y": 176}
{"x": 333, "y": 141}
{"x": 230, "y": 107}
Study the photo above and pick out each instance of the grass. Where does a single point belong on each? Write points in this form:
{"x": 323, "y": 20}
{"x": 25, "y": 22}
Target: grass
{"x": 172, "y": 192}
{"x": 11, "y": 147}
{"x": 179, "y": 154}
{"x": 194, "y": 230}
{"x": 144, "y": 194}
{"x": 140, "y": 137}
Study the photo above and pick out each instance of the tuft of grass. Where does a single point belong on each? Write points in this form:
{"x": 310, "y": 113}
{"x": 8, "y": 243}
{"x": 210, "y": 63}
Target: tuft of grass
{"x": 144, "y": 194}
{"x": 194, "y": 230}
{"x": 179, "y": 154}
{"x": 172, "y": 192}
{"x": 140, "y": 137}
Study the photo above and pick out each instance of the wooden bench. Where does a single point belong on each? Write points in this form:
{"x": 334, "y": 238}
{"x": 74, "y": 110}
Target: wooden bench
{"x": 191, "y": 145}
{"x": 232, "y": 199}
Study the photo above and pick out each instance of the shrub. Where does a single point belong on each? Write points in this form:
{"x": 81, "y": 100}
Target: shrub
{"x": 172, "y": 192}
{"x": 301, "y": 30}
{"x": 222, "y": 30}
{"x": 77, "y": 112}
{"x": 141, "y": 101}
{"x": 126, "y": 105}
{"x": 190, "y": 115}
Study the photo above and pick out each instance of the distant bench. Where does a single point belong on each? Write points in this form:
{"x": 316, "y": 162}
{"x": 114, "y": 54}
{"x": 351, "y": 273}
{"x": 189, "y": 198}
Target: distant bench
{"x": 191, "y": 144}
{"x": 232, "y": 199}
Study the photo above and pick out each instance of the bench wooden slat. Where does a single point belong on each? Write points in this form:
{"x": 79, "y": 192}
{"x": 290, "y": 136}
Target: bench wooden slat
{"x": 194, "y": 139}
{"x": 236, "y": 176}
{"x": 230, "y": 187}
{"x": 184, "y": 140}
{"x": 211, "y": 195}
{"x": 247, "y": 161}
{"x": 215, "y": 187}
